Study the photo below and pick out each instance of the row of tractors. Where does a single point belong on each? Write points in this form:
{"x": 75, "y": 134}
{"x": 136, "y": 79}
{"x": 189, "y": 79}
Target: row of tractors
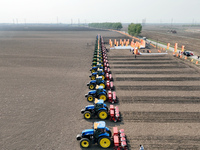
{"x": 101, "y": 90}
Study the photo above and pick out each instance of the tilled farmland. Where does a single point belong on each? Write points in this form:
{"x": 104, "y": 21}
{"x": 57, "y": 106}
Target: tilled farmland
{"x": 159, "y": 100}
{"x": 43, "y": 82}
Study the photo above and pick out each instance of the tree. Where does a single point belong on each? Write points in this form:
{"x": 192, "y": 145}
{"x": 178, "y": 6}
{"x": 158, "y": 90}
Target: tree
{"x": 134, "y": 29}
{"x": 106, "y": 25}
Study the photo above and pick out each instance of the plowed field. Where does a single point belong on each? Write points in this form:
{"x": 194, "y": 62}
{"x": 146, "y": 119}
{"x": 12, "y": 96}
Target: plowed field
{"x": 43, "y": 82}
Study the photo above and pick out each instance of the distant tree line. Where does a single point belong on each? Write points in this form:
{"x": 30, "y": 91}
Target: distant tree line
{"x": 106, "y": 25}
{"x": 134, "y": 29}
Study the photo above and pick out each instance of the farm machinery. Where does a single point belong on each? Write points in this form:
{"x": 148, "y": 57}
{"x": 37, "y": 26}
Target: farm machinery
{"x": 101, "y": 93}
{"x": 108, "y": 85}
{"x": 99, "y": 72}
{"x": 100, "y": 110}
{"x": 102, "y": 135}
{"x": 95, "y": 68}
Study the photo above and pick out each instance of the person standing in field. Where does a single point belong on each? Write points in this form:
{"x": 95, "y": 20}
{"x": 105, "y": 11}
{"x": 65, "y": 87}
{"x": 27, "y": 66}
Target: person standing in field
{"x": 141, "y": 147}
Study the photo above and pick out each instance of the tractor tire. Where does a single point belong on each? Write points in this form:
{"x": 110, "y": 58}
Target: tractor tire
{"x": 103, "y": 97}
{"x": 85, "y": 143}
{"x": 102, "y": 114}
{"x": 93, "y": 70}
{"x": 103, "y": 77}
{"x": 102, "y": 84}
{"x": 93, "y": 78}
{"x": 104, "y": 142}
{"x": 90, "y": 98}
{"x": 87, "y": 115}
{"x": 91, "y": 86}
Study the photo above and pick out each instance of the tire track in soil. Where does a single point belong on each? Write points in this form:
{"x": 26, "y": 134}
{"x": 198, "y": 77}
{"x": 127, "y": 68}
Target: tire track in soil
{"x": 158, "y": 79}
{"x": 166, "y": 142}
{"x": 130, "y": 65}
{"x": 161, "y": 117}
{"x": 160, "y": 100}
{"x": 139, "y": 57}
{"x": 159, "y": 88}
{"x": 152, "y": 72}
{"x": 153, "y": 62}
{"x": 147, "y": 67}
{"x": 133, "y": 59}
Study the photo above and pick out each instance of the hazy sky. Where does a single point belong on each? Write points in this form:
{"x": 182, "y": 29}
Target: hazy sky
{"x": 126, "y": 11}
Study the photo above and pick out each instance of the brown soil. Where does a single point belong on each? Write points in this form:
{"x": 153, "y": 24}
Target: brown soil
{"x": 187, "y": 36}
{"x": 43, "y": 82}
{"x": 159, "y": 100}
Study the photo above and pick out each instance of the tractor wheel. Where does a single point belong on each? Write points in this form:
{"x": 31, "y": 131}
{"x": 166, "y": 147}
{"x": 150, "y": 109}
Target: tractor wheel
{"x": 93, "y": 70}
{"x": 104, "y": 142}
{"x": 85, "y": 143}
{"x": 103, "y": 114}
{"x": 103, "y": 77}
{"x": 93, "y": 77}
{"x": 102, "y": 84}
{"x": 87, "y": 115}
{"x": 103, "y": 97}
{"x": 90, "y": 98}
{"x": 91, "y": 87}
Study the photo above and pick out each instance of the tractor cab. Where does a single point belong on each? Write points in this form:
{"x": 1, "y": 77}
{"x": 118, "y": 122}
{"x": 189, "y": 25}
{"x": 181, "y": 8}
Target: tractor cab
{"x": 100, "y": 72}
{"x": 99, "y": 79}
{"x": 99, "y": 89}
{"x": 99, "y": 104}
{"x": 95, "y": 61}
{"x": 99, "y": 65}
{"x": 100, "y": 129}
{"x": 95, "y": 68}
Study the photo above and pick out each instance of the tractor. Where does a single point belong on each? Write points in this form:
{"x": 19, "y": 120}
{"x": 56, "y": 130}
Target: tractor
{"x": 100, "y": 134}
{"x": 99, "y": 93}
{"x": 108, "y": 85}
{"x": 95, "y": 61}
{"x": 98, "y": 109}
{"x": 97, "y": 56}
{"x": 99, "y": 81}
{"x": 99, "y": 72}
{"x": 95, "y": 68}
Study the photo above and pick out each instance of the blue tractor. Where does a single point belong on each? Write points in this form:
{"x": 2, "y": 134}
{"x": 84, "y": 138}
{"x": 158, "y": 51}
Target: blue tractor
{"x": 99, "y": 93}
{"x": 99, "y": 72}
{"x": 95, "y": 68}
{"x": 98, "y": 109}
{"x": 100, "y": 134}
{"x": 99, "y": 81}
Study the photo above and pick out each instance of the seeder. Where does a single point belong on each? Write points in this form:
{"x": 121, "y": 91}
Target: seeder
{"x": 102, "y": 135}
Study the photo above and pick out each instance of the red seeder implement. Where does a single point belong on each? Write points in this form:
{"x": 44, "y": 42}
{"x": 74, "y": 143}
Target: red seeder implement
{"x": 109, "y": 77}
{"x": 114, "y": 113}
{"x": 107, "y": 70}
{"x": 112, "y": 98}
{"x": 119, "y": 139}
{"x": 109, "y": 85}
